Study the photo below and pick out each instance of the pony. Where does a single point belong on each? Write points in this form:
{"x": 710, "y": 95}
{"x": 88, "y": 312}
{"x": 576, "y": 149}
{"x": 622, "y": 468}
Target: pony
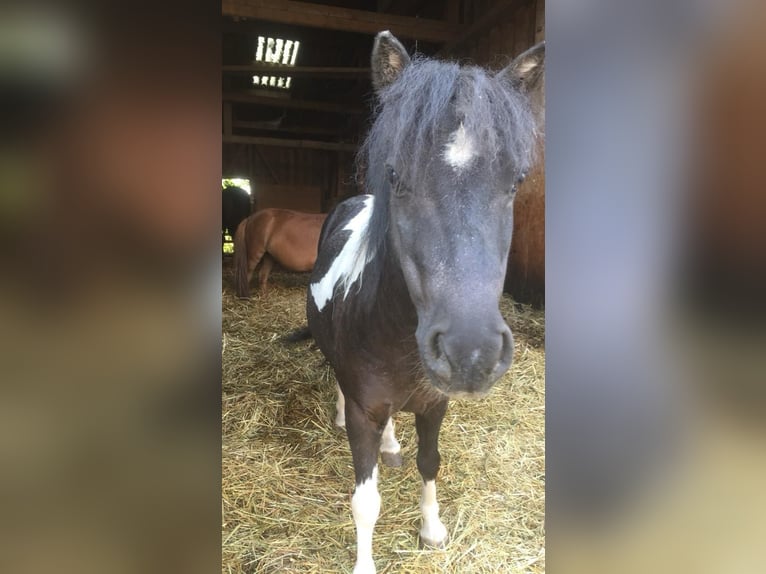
{"x": 235, "y": 207}
{"x": 404, "y": 297}
{"x": 288, "y": 237}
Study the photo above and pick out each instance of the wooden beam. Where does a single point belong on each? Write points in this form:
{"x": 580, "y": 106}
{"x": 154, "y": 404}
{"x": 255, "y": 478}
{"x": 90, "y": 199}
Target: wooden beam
{"x": 332, "y": 107}
{"x": 279, "y": 142}
{"x": 296, "y": 71}
{"x": 480, "y": 25}
{"x": 313, "y": 130}
{"x": 336, "y": 18}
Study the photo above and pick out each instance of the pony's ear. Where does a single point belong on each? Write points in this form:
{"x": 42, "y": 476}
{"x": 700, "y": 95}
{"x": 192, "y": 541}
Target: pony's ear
{"x": 389, "y": 58}
{"x": 526, "y": 70}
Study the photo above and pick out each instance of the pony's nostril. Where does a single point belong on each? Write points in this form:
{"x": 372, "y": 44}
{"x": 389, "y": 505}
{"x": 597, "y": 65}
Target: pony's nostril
{"x": 507, "y": 345}
{"x": 438, "y": 346}
{"x": 506, "y": 353}
{"x": 438, "y": 359}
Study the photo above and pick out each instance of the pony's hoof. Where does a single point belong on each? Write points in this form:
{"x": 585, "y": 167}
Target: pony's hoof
{"x": 434, "y": 535}
{"x": 391, "y": 458}
{"x": 427, "y": 543}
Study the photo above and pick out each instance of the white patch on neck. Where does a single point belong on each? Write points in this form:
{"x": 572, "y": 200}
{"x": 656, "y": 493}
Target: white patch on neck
{"x": 350, "y": 262}
{"x": 460, "y": 150}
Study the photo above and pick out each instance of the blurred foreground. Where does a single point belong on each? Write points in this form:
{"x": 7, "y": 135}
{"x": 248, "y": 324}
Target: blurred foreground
{"x": 109, "y": 289}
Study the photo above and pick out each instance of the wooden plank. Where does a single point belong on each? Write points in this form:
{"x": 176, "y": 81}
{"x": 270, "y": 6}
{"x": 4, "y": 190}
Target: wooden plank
{"x": 290, "y": 143}
{"x": 296, "y": 71}
{"x": 539, "y": 21}
{"x": 266, "y": 163}
{"x": 489, "y": 18}
{"x": 300, "y": 197}
{"x": 343, "y": 19}
{"x": 452, "y": 11}
{"x": 227, "y": 118}
{"x": 523, "y": 29}
{"x": 266, "y": 126}
{"x": 332, "y": 107}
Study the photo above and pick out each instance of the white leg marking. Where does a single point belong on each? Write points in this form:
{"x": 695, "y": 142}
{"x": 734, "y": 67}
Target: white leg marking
{"x": 350, "y": 262}
{"x": 460, "y": 150}
{"x": 388, "y": 442}
{"x": 433, "y": 531}
{"x": 340, "y": 409}
{"x": 365, "y": 506}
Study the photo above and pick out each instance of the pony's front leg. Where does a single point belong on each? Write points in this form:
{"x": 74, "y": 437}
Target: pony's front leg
{"x": 364, "y": 438}
{"x": 432, "y": 531}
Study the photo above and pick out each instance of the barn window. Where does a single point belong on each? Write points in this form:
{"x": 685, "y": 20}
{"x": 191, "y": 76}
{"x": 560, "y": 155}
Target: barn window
{"x": 278, "y": 52}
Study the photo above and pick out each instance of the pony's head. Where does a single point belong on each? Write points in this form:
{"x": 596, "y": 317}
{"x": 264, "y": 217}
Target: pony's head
{"x": 443, "y": 158}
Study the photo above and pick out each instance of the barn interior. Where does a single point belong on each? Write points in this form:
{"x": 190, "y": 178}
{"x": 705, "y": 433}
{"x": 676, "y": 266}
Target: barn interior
{"x": 297, "y": 101}
{"x": 297, "y": 96}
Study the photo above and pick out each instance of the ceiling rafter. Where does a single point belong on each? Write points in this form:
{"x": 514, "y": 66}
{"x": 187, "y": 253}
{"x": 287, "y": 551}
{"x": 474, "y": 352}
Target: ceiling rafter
{"x": 297, "y": 71}
{"x": 246, "y": 97}
{"x": 291, "y": 143}
{"x": 342, "y": 19}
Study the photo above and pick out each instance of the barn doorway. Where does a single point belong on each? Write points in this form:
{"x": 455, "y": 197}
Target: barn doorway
{"x": 228, "y": 234}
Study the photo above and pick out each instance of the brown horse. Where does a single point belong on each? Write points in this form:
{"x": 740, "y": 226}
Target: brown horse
{"x": 289, "y": 237}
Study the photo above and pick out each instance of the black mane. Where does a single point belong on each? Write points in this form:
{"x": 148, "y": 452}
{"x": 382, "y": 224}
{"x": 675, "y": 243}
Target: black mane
{"x": 409, "y": 115}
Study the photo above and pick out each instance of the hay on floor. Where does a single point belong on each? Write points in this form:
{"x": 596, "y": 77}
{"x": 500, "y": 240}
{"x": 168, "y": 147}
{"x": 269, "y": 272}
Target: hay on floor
{"x": 288, "y": 475}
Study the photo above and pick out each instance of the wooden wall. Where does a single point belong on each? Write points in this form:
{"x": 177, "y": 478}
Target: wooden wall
{"x": 520, "y": 28}
{"x": 302, "y": 179}
{"x": 516, "y": 30}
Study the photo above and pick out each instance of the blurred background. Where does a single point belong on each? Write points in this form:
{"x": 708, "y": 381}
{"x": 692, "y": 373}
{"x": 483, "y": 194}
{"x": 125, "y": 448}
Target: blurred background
{"x": 655, "y": 273}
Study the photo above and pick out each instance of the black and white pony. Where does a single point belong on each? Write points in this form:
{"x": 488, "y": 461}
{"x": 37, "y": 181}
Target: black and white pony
{"x": 403, "y": 299}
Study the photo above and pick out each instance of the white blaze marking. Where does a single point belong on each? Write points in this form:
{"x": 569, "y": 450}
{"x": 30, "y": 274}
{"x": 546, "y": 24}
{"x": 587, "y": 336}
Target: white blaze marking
{"x": 365, "y": 506}
{"x": 340, "y": 408}
{"x": 432, "y": 531}
{"x": 388, "y": 442}
{"x": 351, "y": 260}
{"x": 460, "y": 150}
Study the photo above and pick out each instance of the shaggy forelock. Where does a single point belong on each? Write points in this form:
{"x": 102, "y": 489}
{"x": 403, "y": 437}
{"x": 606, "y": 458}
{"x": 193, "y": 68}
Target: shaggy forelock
{"x": 411, "y": 111}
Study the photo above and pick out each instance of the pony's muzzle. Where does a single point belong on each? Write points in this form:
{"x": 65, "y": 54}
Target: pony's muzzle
{"x": 464, "y": 362}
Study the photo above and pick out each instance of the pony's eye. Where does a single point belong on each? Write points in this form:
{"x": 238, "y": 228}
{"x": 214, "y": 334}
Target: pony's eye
{"x": 392, "y": 176}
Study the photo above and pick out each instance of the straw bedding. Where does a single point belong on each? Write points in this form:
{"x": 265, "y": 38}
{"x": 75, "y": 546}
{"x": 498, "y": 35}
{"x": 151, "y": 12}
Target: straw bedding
{"x": 288, "y": 475}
